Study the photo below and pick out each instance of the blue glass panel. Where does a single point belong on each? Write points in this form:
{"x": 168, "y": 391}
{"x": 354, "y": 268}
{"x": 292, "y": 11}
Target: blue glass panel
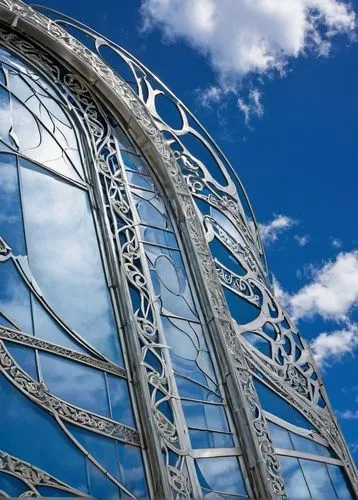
{"x": 12, "y": 486}
{"x": 45, "y": 491}
{"x": 123, "y": 140}
{"x": 25, "y": 357}
{"x": 133, "y": 162}
{"x": 274, "y": 404}
{"x": 101, "y": 448}
{"x": 120, "y": 400}
{"x": 11, "y": 224}
{"x": 303, "y": 444}
{"x": 205, "y": 439}
{"x": 159, "y": 236}
{"x": 5, "y": 122}
{"x": 205, "y": 416}
{"x": 101, "y": 486}
{"x": 132, "y": 470}
{"x": 190, "y": 389}
{"x": 75, "y": 383}
{"x": 280, "y": 437}
{"x": 318, "y": 480}
{"x": 30, "y": 437}
{"x": 171, "y": 283}
{"x": 47, "y": 328}
{"x": 340, "y": 482}
{"x": 141, "y": 181}
{"x": 295, "y": 483}
{"x": 190, "y": 369}
{"x": 151, "y": 209}
{"x": 124, "y": 462}
{"x": 60, "y": 230}
{"x": 221, "y": 474}
{"x": 5, "y": 322}
{"x": 15, "y": 297}
{"x": 325, "y": 451}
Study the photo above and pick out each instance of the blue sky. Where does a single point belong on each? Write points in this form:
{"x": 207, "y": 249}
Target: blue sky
{"x": 287, "y": 119}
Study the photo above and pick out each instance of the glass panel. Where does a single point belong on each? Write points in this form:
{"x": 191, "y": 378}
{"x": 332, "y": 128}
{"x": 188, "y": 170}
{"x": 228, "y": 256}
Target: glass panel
{"x": 170, "y": 282}
{"x": 318, "y": 480}
{"x": 302, "y": 444}
{"x": 295, "y": 483}
{"x": 101, "y": 485}
{"x": 63, "y": 249}
{"x": 53, "y": 492}
{"x": 47, "y": 328}
{"x": 141, "y": 181}
{"x": 221, "y": 474}
{"x": 124, "y": 462}
{"x": 101, "y": 448}
{"x": 11, "y": 486}
{"x": 123, "y": 140}
{"x": 158, "y": 236}
{"x": 204, "y": 439}
{"x": 151, "y": 209}
{"x": 339, "y": 482}
{"x": 133, "y": 162}
{"x": 280, "y": 437}
{"x": 75, "y": 383}
{"x": 29, "y": 437}
{"x": 15, "y": 297}
{"x": 131, "y": 465}
{"x": 119, "y": 399}
{"x": 190, "y": 389}
{"x": 25, "y": 357}
{"x": 11, "y": 225}
{"x": 274, "y": 404}
{"x": 205, "y": 416}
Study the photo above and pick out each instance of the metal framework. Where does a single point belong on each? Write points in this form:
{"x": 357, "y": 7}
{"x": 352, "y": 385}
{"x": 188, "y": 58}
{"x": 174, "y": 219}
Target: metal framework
{"x": 219, "y": 394}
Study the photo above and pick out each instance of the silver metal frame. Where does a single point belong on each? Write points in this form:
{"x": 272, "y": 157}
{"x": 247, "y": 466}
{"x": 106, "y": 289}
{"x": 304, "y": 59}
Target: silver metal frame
{"x": 239, "y": 360}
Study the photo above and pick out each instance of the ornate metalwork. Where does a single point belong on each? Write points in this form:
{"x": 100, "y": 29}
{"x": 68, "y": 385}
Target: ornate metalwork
{"x": 24, "y": 339}
{"x": 38, "y": 393}
{"x": 290, "y": 370}
{"x": 32, "y": 476}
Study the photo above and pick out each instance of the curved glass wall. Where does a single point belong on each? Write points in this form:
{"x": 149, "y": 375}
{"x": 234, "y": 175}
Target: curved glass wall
{"x": 66, "y": 407}
{"x": 59, "y": 328}
{"x": 108, "y": 315}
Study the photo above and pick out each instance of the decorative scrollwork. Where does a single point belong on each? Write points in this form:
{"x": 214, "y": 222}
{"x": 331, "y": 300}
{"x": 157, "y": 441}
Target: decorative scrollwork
{"x": 287, "y": 365}
{"x": 70, "y": 413}
{"x": 23, "y": 338}
{"x": 32, "y": 476}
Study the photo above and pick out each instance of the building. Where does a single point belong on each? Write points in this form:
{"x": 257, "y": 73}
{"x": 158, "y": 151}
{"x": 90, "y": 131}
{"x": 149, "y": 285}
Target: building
{"x": 142, "y": 351}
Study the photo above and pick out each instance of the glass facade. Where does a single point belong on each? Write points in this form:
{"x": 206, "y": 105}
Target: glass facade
{"x": 142, "y": 351}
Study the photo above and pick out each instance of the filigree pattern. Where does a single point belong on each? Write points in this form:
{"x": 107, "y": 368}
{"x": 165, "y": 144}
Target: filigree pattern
{"x": 39, "y": 394}
{"x": 24, "y": 339}
{"x": 287, "y": 366}
{"x": 32, "y": 476}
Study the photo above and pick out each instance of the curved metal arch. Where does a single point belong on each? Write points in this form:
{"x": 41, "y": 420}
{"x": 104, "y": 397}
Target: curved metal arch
{"x": 102, "y": 79}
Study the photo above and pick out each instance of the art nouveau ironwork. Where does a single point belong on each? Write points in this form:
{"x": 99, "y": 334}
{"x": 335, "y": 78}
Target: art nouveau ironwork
{"x": 140, "y": 339}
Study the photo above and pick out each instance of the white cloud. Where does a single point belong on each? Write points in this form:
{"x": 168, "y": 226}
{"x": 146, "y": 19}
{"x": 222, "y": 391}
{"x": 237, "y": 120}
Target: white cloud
{"x": 252, "y": 106}
{"x": 348, "y": 415}
{"x": 328, "y": 348}
{"x": 209, "y": 96}
{"x": 336, "y": 243}
{"x": 270, "y": 231}
{"x": 302, "y": 240}
{"x": 333, "y": 291}
{"x": 242, "y": 37}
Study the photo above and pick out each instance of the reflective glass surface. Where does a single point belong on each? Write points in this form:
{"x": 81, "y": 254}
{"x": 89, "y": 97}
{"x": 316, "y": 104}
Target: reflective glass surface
{"x": 54, "y": 287}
